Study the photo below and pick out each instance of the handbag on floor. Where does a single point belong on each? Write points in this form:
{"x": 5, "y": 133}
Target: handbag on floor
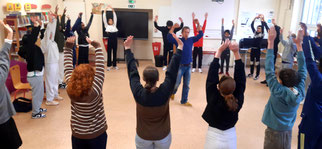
{"x": 22, "y": 104}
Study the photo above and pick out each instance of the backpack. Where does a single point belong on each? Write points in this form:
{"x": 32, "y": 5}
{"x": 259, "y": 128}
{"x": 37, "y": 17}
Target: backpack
{"x": 22, "y": 104}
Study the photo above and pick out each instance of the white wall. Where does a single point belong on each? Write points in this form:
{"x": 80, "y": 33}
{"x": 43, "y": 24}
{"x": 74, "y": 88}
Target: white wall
{"x": 144, "y": 48}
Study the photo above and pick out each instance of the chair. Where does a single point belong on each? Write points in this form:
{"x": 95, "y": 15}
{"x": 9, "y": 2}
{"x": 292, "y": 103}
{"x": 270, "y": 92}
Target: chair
{"x": 16, "y": 80}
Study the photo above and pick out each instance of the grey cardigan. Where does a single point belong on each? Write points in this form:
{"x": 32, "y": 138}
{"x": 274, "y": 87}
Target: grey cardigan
{"x": 6, "y": 108}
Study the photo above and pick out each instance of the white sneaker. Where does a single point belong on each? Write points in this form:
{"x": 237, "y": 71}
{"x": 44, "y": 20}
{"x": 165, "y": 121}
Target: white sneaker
{"x": 193, "y": 70}
{"x": 116, "y": 68}
{"x": 200, "y": 70}
{"x": 59, "y": 98}
{"x": 108, "y": 69}
{"x": 164, "y": 68}
{"x": 52, "y": 103}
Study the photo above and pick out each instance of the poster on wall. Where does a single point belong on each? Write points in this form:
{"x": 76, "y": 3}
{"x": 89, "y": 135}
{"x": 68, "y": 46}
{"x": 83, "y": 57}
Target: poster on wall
{"x": 10, "y": 7}
{"x": 245, "y": 20}
{"x": 17, "y": 7}
{"x": 27, "y": 6}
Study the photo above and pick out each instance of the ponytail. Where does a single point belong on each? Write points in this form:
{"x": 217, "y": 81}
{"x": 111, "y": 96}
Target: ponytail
{"x": 148, "y": 86}
{"x": 231, "y": 102}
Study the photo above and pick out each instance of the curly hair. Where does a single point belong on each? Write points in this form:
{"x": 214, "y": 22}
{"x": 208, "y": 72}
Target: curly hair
{"x": 81, "y": 81}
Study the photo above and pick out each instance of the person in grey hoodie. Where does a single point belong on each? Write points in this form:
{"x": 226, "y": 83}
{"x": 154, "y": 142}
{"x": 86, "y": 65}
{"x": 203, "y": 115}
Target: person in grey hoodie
{"x": 289, "y": 50}
{"x": 9, "y": 135}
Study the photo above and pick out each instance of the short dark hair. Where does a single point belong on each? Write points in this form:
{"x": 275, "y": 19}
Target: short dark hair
{"x": 185, "y": 27}
{"x": 293, "y": 35}
{"x": 169, "y": 23}
{"x": 259, "y": 26}
{"x": 289, "y": 77}
{"x": 150, "y": 76}
{"x": 227, "y": 31}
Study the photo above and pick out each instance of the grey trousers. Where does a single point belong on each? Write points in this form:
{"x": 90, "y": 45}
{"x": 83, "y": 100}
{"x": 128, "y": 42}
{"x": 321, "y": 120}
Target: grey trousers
{"x": 37, "y": 88}
{"x": 277, "y": 139}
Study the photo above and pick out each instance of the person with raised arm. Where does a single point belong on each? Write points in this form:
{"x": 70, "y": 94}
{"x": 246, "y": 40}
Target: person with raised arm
{"x": 10, "y": 137}
{"x": 225, "y": 98}
{"x": 255, "y": 53}
{"x": 185, "y": 64}
{"x": 84, "y": 88}
{"x": 50, "y": 50}
{"x": 197, "y": 50}
{"x": 69, "y": 32}
{"x": 111, "y": 30}
{"x": 225, "y": 56}
{"x": 82, "y": 32}
{"x": 287, "y": 92}
{"x": 167, "y": 46}
{"x": 60, "y": 40}
{"x": 35, "y": 66}
{"x": 289, "y": 50}
{"x": 152, "y": 102}
{"x": 310, "y": 128}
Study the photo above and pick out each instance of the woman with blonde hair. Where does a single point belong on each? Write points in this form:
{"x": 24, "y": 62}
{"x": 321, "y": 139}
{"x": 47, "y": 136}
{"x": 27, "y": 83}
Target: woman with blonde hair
{"x": 84, "y": 87}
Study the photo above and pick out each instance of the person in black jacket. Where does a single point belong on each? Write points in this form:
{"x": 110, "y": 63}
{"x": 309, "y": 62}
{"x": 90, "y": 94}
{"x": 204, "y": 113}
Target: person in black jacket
{"x": 225, "y": 98}
{"x": 255, "y": 54}
{"x": 82, "y": 32}
{"x": 167, "y": 46}
{"x": 152, "y": 102}
{"x": 35, "y": 66}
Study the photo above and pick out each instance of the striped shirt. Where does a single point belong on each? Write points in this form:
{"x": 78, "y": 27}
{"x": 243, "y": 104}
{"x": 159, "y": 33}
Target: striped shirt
{"x": 87, "y": 113}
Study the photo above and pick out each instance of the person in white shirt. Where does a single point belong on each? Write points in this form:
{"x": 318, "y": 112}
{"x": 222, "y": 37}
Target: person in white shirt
{"x": 111, "y": 30}
{"x": 50, "y": 50}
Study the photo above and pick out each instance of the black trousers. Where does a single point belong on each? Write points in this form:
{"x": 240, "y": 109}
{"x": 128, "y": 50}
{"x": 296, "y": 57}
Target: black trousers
{"x": 96, "y": 143}
{"x": 167, "y": 50}
{"x": 112, "y": 46}
{"x": 197, "y": 52}
{"x": 255, "y": 56}
{"x": 83, "y": 55}
{"x": 9, "y": 135}
{"x": 225, "y": 56}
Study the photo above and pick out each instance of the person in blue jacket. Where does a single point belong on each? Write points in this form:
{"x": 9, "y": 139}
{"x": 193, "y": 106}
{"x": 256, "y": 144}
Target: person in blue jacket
{"x": 185, "y": 64}
{"x": 286, "y": 94}
{"x": 310, "y": 128}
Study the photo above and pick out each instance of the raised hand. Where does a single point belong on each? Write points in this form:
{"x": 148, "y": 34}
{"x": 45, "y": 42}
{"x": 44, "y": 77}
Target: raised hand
{"x": 193, "y": 15}
{"x": 80, "y": 14}
{"x": 271, "y": 37}
{"x": 233, "y": 22}
{"x": 8, "y": 29}
{"x": 128, "y": 42}
{"x": 156, "y": 18}
{"x": 56, "y": 9}
{"x": 176, "y": 25}
{"x": 68, "y": 17}
{"x": 222, "y": 48}
{"x": 299, "y": 37}
{"x": 180, "y": 43}
{"x": 206, "y": 15}
{"x": 65, "y": 9}
{"x": 222, "y": 21}
{"x": 70, "y": 42}
{"x": 94, "y": 43}
{"x": 180, "y": 19}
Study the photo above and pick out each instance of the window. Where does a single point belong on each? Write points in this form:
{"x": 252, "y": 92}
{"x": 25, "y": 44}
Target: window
{"x": 312, "y": 14}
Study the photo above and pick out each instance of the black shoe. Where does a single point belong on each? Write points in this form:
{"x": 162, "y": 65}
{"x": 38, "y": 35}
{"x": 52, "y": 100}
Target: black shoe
{"x": 264, "y": 82}
{"x": 250, "y": 75}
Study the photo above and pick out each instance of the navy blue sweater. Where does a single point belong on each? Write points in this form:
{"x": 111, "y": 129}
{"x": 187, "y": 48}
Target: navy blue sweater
{"x": 312, "y": 109}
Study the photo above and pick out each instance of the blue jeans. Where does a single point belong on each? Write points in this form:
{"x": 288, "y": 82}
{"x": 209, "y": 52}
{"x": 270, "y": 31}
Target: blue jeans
{"x": 185, "y": 72}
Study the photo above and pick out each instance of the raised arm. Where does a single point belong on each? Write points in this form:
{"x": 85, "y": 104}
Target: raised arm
{"x": 273, "y": 84}
{"x": 171, "y": 75}
{"x": 133, "y": 73}
{"x": 204, "y": 23}
{"x": 62, "y": 24}
{"x": 239, "y": 75}
{"x": 156, "y": 24}
{"x": 89, "y": 22}
{"x": 284, "y": 42}
{"x": 67, "y": 30}
{"x": 104, "y": 19}
{"x": 232, "y": 30}
{"x": 181, "y": 26}
{"x": 170, "y": 37}
{"x": 194, "y": 24}
{"x": 252, "y": 25}
{"x": 99, "y": 65}
{"x": 196, "y": 38}
{"x": 213, "y": 78}
{"x": 222, "y": 29}
{"x": 36, "y": 29}
{"x": 114, "y": 18}
{"x": 4, "y": 54}
{"x": 77, "y": 22}
{"x": 68, "y": 58}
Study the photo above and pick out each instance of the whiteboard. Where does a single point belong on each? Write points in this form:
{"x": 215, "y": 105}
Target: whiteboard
{"x": 184, "y": 9}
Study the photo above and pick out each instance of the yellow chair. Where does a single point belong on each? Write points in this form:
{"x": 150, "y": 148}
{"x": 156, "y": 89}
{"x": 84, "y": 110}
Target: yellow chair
{"x": 16, "y": 80}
